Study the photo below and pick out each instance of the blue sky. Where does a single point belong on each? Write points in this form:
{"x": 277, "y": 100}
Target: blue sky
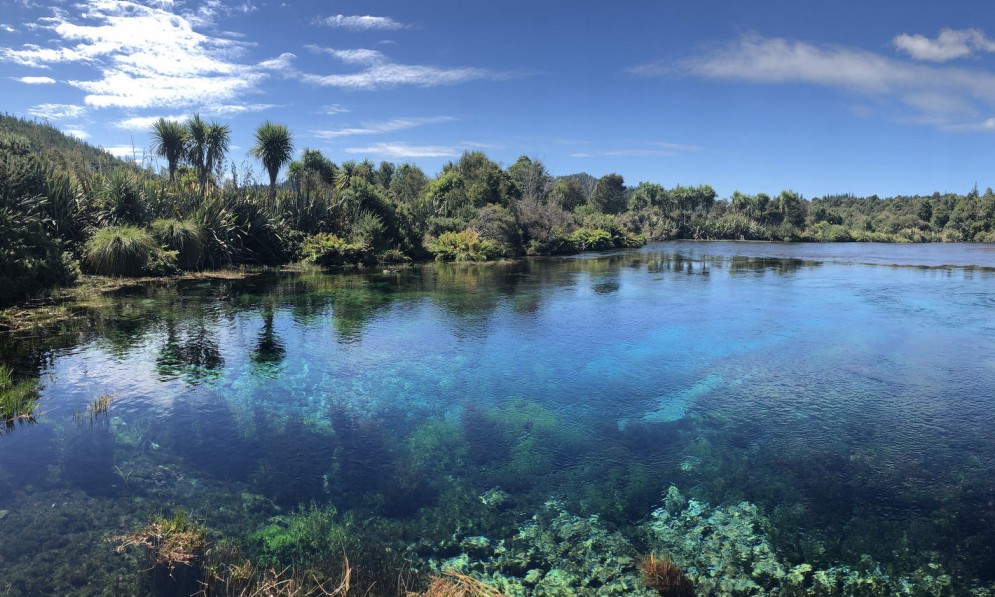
{"x": 880, "y": 97}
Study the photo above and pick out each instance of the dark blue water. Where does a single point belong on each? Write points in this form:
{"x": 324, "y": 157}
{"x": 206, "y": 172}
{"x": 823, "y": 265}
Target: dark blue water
{"x": 845, "y": 390}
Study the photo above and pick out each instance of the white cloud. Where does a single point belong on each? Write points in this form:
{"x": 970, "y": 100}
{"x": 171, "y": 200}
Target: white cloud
{"x": 356, "y": 56}
{"x": 377, "y": 128}
{"x": 380, "y": 72}
{"x": 333, "y": 109}
{"x": 144, "y": 123}
{"x": 942, "y": 96}
{"x": 147, "y": 56}
{"x": 360, "y": 23}
{"x": 126, "y": 152}
{"x": 7, "y": 28}
{"x": 283, "y": 62}
{"x": 403, "y": 150}
{"x": 949, "y": 44}
{"x": 233, "y": 109}
{"x": 78, "y": 133}
{"x": 36, "y": 80}
{"x": 57, "y": 111}
{"x": 630, "y": 153}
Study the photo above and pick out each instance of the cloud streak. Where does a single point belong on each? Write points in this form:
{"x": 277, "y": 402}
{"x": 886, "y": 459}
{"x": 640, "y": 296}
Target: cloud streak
{"x": 360, "y": 23}
{"x": 36, "y": 80}
{"x": 949, "y": 44}
{"x": 946, "y": 97}
{"x": 380, "y": 72}
{"x": 378, "y": 128}
{"x": 403, "y": 150}
{"x": 57, "y": 111}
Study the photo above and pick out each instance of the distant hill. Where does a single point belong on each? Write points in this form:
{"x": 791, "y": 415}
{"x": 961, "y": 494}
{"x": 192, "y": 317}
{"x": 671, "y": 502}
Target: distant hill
{"x": 57, "y": 147}
{"x": 586, "y": 181}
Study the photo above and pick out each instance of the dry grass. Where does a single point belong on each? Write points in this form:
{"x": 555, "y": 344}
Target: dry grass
{"x": 665, "y": 577}
{"x": 244, "y": 579}
{"x": 168, "y": 540}
{"x": 454, "y": 584}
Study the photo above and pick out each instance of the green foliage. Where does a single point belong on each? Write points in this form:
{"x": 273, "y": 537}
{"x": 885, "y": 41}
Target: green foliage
{"x": 463, "y": 246}
{"x": 184, "y": 237}
{"x": 122, "y": 200}
{"x": 126, "y": 251}
{"x": 327, "y": 250}
{"x": 609, "y": 194}
{"x": 18, "y": 400}
{"x": 303, "y": 539}
{"x": 568, "y": 194}
{"x": 591, "y": 239}
{"x": 31, "y": 256}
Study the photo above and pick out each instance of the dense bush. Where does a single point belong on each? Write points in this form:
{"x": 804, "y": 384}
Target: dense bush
{"x": 31, "y": 255}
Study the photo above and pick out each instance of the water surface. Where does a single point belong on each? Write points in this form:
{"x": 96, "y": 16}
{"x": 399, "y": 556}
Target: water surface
{"x": 844, "y": 389}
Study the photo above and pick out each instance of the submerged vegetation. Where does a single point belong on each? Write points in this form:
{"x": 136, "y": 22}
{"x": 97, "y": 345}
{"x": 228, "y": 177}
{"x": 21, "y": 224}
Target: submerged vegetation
{"x": 64, "y": 204}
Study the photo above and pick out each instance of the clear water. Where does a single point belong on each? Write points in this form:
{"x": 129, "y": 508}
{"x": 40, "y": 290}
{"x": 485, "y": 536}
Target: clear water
{"x": 847, "y": 390}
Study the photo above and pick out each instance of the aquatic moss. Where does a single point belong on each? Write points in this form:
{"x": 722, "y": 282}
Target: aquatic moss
{"x": 303, "y": 539}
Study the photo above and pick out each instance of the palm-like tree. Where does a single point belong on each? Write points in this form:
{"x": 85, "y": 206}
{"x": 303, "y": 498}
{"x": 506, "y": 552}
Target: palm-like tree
{"x": 273, "y": 148}
{"x": 218, "y": 143}
{"x": 207, "y": 146}
{"x": 197, "y": 148}
{"x": 169, "y": 140}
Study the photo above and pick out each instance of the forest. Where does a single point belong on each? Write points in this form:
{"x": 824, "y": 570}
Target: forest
{"x": 68, "y": 208}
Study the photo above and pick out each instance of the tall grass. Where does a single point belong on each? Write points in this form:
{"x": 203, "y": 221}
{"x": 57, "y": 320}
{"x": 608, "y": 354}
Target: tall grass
{"x": 125, "y": 251}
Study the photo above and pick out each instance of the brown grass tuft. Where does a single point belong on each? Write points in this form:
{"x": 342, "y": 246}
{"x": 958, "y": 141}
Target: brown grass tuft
{"x": 665, "y": 577}
{"x": 454, "y": 584}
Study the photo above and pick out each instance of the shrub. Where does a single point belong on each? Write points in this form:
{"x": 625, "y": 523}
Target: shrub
{"x": 185, "y": 237}
{"x": 463, "y": 246}
{"x": 327, "y": 250}
{"x": 591, "y": 239}
{"x": 126, "y": 251}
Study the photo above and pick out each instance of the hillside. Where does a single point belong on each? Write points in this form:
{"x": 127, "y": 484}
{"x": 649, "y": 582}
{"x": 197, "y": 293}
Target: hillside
{"x": 56, "y": 147}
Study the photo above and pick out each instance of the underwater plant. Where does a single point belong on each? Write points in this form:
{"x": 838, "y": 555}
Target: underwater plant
{"x": 665, "y": 577}
{"x": 18, "y": 400}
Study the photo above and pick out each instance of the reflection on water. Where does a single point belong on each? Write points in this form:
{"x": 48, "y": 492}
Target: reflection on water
{"x": 839, "y": 394}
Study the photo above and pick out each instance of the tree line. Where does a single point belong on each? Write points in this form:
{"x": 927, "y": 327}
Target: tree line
{"x": 67, "y": 208}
